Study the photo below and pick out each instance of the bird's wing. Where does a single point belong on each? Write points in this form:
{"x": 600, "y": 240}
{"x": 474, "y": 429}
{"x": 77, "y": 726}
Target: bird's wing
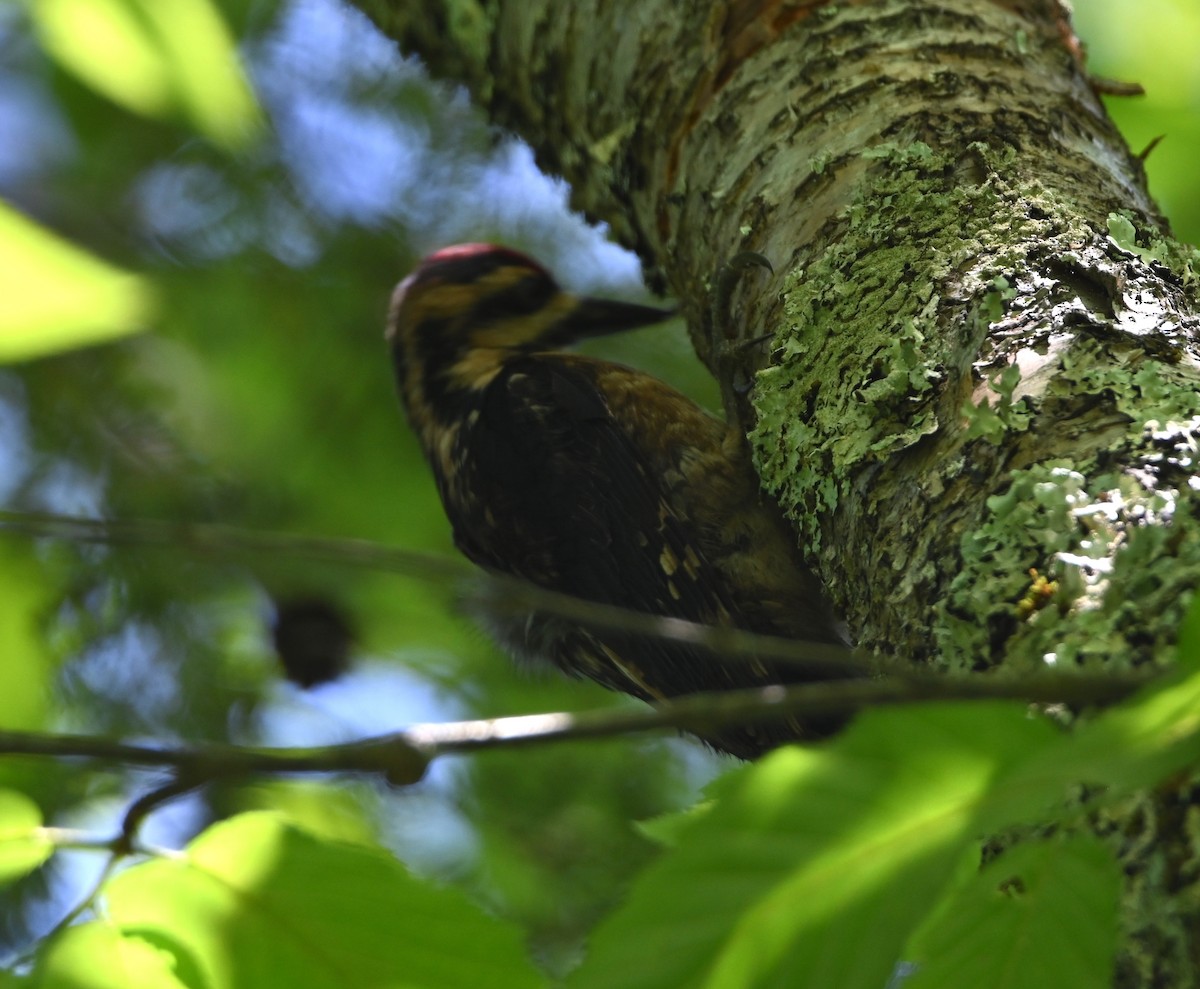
{"x": 570, "y": 501}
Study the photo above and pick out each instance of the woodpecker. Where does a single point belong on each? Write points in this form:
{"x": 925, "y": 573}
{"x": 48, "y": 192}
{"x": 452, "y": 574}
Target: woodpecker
{"x": 596, "y": 480}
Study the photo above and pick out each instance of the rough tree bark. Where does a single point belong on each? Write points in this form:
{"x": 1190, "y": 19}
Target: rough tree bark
{"x": 980, "y": 407}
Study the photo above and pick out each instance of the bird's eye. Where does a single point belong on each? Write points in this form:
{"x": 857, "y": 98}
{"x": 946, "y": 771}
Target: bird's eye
{"x": 529, "y": 295}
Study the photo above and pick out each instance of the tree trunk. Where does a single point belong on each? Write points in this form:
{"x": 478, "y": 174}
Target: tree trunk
{"x": 979, "y": 406}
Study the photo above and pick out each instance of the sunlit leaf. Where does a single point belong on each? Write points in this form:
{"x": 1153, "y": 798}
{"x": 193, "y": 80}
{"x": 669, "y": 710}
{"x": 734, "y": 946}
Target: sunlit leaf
{"x": 1041, "y": 915}
{"x": 1133, "y": 746}
{"x": 155, "y": 58}
{"x": 98, "y": 956}
{"x": 106, "y": 44}
{"x": 1189, "y": 637}
{"x": 56, "y": 296}
{"x": 26, "y": 666}
{"x": 22, "y": 846}
{"x": 204, "y": 67}
{"x": 813, "y": 866}
{"x": 257, "y": 902}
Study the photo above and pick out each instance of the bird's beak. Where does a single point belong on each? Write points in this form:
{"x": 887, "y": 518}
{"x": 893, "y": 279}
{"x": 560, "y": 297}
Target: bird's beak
{"x": 600, "y": 317}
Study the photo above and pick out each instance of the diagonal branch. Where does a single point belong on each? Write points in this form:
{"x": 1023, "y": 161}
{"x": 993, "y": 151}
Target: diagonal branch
{"x": 477, "y": 592}
{"x": 402, "y": 757}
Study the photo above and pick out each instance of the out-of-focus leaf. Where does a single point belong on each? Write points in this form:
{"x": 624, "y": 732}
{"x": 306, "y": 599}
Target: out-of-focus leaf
{"x": 256, "y": 902}
{"x": 22, "y": 846}
{"x": 814, "y": 866}
{"x": 26, "y": 666}
{"x": 1189, "y": 637}
{"x": 98, "y": 956}
{"x": 329, "y": 811}
{"x": 1134, "y": 746}
{"x": 56, "y": 296}
{"x": 1040, "y": 915}
{"x": 155, "y": 58}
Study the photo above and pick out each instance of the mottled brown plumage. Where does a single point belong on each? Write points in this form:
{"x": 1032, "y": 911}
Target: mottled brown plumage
{"x": 595, "y": 480}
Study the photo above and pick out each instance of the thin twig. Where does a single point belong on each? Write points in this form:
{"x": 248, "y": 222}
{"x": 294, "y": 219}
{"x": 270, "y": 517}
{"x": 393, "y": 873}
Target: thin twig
{"x": 119, "y": 847}
{"x": 402, "y": 757}
{"x": 492, "y": 594}
{"x": 144, "y": 806}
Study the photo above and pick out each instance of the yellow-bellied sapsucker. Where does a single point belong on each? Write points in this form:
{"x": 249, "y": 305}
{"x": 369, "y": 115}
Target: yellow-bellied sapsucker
{"x": 596, "y": 480}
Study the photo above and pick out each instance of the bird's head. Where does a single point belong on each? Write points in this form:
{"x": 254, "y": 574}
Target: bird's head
{"x": 467, "y": 309}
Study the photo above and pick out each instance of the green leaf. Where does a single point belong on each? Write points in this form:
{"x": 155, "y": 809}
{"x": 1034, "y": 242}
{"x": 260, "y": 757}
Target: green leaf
{"x": 25, "y": 672}
{"x": 1041, "y": 915}
{"x": 156, "y": 59}
{"x": 256, "y": 902}
{"x": 665, "y": 828}
{"x": 23, "y": 846}
{"x": 1145, "y": 740}
{"x": 813, "y": 866}
{"x": 1189, "y": 637}
{"x": 56, "y": 296}
{"x": 98, "y": 956}
{"x": 1132, "y": 747}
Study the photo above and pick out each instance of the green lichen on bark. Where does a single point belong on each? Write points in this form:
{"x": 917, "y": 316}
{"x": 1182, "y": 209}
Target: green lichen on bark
{"x": 873, "y": 301}
{"x": 1122, "y": 546}
{"x": 1111, "y": 569}
{"x": 1182, "y": 259}
{"x": 866, "y": 302}
{"x": 993, "y": 420}
{"x": 915, "y": 280}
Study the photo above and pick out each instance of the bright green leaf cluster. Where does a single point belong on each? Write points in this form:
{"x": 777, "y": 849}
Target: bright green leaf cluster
{"x": 256, "y": 902}
{"x": 23, "y": 846}
{"x": 814, "y": 867}
{"x": 155, "y": 57}
{"x": 57, "y": 296}
{"x": 839, "y": 867}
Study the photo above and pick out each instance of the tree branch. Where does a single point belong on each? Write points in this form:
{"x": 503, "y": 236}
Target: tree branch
{"x": 476, "y": 592}
{"x": 402, "y": 757}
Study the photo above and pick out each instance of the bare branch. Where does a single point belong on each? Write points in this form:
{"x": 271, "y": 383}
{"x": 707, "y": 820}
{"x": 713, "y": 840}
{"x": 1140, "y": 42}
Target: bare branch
{"x": 402, "y": 757}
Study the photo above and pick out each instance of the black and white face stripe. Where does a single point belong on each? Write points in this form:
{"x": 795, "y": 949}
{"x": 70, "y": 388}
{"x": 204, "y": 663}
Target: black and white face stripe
{"x": 530, "y": 293}
{"x": 466, "y": 310}
{"x": 454, "y": 318}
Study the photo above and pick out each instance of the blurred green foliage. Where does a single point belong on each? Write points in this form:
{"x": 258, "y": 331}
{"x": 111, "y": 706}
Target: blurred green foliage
{"x": 59, "y": 297}
{"x": 1153, "y": 43}
{"x": 160, "y": 59}
{"x": 263, "y": 397}
{"x": 265, "y": 242}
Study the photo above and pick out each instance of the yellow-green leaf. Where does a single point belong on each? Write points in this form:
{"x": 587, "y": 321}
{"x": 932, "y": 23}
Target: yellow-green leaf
{"x": 23, "y": 847}
{"x": 1043, "y": 914}
{"x": 25, "y": 590}
{"x": 155, "y": 58}
{"x": 257, "y": 902}
{"x": 57, "y": 296}
{"x": 99, "y": 956}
